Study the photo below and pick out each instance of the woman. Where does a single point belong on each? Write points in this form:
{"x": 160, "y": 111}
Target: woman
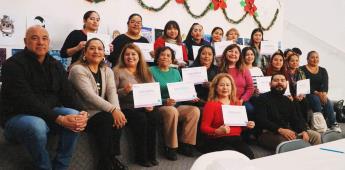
{"x": 232, "y": 35}
{"x": 317, "y": 98}
{"x": 205, "y": 58}
{"x": 255, "y": 42}
{"x": 195, "y": 37}
{"x": 216, "y": 35}
{"x": 220, "y": 136}
{"x": 132, "y": 69}
{"x": 96, "y": 89}
{"x": 173, "y": 112}
{"x": 294, "y": 74}
{"x": 232, "y": 64}
{"x": 134, "y": 25}
{"x": 276, "y": 65}
{"x": 75, "y": 41}
{"x": 172, "y": 34}
{"x": 248, "y": 55}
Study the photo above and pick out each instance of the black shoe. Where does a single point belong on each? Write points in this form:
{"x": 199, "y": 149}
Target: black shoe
{"x": 154, "y": 162}
{"x": 170, "y": 153}
{"x": 187, "y": 150}
{"x": 144, "y": 163}
{"x": 118, "y": 165}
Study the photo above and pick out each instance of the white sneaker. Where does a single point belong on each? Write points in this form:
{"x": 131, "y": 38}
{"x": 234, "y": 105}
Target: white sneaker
{"x": 336, "y": 127}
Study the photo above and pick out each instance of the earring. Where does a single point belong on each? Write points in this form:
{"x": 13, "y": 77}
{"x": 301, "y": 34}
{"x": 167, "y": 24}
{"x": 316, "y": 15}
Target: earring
{"x": 84, "y": 58}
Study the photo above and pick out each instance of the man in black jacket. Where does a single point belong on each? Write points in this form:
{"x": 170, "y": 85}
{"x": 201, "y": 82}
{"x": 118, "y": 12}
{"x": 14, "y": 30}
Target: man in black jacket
{"x": 37, "y": 98}
{"x": 278, "y": 117}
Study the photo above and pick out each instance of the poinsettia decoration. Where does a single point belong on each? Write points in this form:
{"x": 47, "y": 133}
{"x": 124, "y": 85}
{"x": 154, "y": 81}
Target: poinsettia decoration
{"x": 216, "y": 4}
{"x": 180, "y": 1}
{"x": 250, "y": 7}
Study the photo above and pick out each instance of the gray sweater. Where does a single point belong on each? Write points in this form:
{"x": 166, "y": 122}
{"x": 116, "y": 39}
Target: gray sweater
{"x": 87, "y": 92}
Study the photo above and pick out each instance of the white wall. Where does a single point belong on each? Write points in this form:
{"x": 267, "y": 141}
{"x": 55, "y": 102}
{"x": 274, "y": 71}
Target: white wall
{"x": 65, "y": 15}
{"x": 318, "y": 25}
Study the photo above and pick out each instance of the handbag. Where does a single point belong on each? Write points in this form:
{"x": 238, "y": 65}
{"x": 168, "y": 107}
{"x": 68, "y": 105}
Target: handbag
{"x": 340, "y": 111}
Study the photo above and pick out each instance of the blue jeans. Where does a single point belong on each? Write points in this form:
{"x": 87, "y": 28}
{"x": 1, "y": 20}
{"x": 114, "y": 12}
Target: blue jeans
{"x": 32, "y": 131}
{"x": 327, "y": 111}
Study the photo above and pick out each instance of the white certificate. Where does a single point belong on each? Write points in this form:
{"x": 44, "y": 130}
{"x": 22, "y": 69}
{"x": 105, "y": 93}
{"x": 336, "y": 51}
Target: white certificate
{"x": 303, "y": 87}
{"x": 146, "y": 48}
{"x": 195, "y": 75}
{"x": 177, "y": 49}
{"x": 263, "y": 84}
{"x": 146, "y": 95}
{"x": 287, "y": 91}
{"x": 195, "y": 51}
{"x": 234, "y": 115}
{"x": 181, "y": 91}
{"x": 256, "y": 72}
{"x": 105, "y": 38}
{"x": 268, "y": 47}
{"x": 219, "y": 47}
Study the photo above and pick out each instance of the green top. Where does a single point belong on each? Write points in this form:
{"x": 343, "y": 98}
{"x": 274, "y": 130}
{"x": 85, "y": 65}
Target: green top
{"x": 170, "y": 76}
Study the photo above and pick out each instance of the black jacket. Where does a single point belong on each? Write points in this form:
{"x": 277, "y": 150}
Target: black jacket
{"x": 29, "y": 87}
{"x": 277, "y": 111}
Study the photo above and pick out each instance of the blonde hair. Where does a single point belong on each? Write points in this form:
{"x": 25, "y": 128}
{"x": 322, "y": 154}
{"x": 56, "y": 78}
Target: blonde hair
{"x": 213, "y": 96}
{"x": 232, "y": 30}
{"x": 142, "y": 71}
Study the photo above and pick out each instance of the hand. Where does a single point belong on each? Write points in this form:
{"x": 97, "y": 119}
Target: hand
{"x": 170, "y": 102}
{"x": 222, "y": 130}
{"x": 111, "y": 48}
{"x": 256, "y": 91}
{"x": 241, "y": 101}
{"x": 149, "y": 109}
{"x": 119, "y": 119}
{"x": 305, "y": 136}
{"x": 196, "y": 100}
{"x": 290, "y": 97}
{"x": 75, "y": 123}
{"x": 323, "y": 98}
{"x": 81, "y": 45}
{"x": 152, "y": 54}
{"x": 128, "y": 88}
{"x": 287, "y": 133}
{"x": 299, "y": 97}
{"x": 81, "y": 120}
{"x": 250, "y": 124}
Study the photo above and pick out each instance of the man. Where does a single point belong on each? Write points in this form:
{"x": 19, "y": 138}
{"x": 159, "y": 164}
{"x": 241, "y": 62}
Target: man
{"x": 37, "y": 98}
{"x": 279, "y": 119}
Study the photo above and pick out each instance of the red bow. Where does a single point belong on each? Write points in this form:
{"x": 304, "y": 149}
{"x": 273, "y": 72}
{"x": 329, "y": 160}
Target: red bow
{"x": 180, "y": 1}
{"x": 250, "y": 7}
{"x": 219, "y": 4}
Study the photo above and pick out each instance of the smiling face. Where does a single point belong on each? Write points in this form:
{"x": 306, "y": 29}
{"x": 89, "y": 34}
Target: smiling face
{"x": 197, "y": 32}
{"x": 94, "y": 52}
{"x": 232, "y": 36}
{"x": 249, "y": 57}
{"x": 313, "y": 59}
{"x": 223, "y": 88}
{"x": 206, "y": 57}
{"x": 278, "y": 83}
{"x": 37, "y": 40}
{"x": 172, "y": 33}
{"x": 217, "y": 35}
{"x": 131, "y": 58}
{"x": 135, "y": 25}
{"x": 277, "y": 62}
{"x": 92, "y": 22}
{"x": 257, "y": 37}
{"x": 165, "y": 58}
{"x": 232, "y": 55}
{"x": 293, "y": 62}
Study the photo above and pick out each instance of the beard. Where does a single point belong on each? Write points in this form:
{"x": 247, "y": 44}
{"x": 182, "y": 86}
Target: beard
{"x": 278, "y": 90}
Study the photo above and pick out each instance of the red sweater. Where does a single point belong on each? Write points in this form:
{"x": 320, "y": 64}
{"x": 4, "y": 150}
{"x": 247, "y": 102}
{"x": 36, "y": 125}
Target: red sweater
{"x": 160, "y": 42}
{"x": 212, "y": 118}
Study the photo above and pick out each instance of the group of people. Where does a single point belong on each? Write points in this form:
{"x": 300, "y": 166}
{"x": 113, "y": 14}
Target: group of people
{"x": 39, "y": 96}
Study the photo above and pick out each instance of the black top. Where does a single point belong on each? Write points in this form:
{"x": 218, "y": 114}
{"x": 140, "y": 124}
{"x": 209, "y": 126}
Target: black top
{"x": 98, "y": 78}
{"x": 189, "y": 44}
{"x": 119, "y": 42}
{"x": 277, "y": 111}
{"x": 72, "y": 40}
{"x": 29, "y": 87}
{"x": 318, "y": 81}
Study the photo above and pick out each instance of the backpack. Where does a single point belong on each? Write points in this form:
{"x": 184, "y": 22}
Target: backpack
{"x": 318, "y": 122}
{"x": 339, "y": 110}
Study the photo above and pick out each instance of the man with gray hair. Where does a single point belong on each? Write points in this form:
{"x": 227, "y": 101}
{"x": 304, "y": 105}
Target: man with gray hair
{"x": 36, "y": 99}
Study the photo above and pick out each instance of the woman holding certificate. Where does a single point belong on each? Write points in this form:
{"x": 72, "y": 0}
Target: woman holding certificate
{"x": 172, "y": 34}
{"x": 255, "y": 42}
{"x": 232, "y": 64}
{"x": 220, "y": 136}
{"x": 172, "y": 112}
{"x": 318, "y": 98}
{"x": 96, "y": 89}
{"x": 205, "y": 57}
{"x": 132, "y": 69}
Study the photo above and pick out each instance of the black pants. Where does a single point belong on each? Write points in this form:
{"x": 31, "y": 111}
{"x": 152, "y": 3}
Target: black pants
{"x": 106, "y": 136}
{"x": 229, "y": 143}
{"x": 143, "y": 125}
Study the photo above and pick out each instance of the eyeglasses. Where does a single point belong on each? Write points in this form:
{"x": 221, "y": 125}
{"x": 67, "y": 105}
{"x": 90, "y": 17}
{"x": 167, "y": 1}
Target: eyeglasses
{"x": 135, "y": 22}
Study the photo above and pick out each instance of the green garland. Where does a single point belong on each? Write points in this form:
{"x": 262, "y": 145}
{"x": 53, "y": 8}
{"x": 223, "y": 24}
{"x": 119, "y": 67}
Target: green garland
{"x": 207, "y": 9}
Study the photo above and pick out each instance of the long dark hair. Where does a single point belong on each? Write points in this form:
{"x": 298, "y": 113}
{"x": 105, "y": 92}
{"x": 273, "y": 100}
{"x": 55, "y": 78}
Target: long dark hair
{"x": 189, "y": 35}
{"x": 87, "y": 15}
{"x": 133, "y": 15}
{"x": 82, "y": 60}
{"x": 214, "y": 30}
{"x": 224, "y": 65}
{"x": 172, "y": 24}
{"x": 271, "y": 71}
{"x": 251, "y": 43}
{"x": 244, "y": 52}
{"x": 196, "y": 62}
{"x": 160, "y": 50}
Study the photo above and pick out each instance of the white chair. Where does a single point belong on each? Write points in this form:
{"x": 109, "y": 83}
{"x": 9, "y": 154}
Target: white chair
{"x": 291, "y": 145}
{"x": 213, "y": 160}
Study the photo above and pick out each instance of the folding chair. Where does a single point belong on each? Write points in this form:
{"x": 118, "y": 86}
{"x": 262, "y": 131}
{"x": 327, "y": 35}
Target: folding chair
{"x": 291, "y": 145}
